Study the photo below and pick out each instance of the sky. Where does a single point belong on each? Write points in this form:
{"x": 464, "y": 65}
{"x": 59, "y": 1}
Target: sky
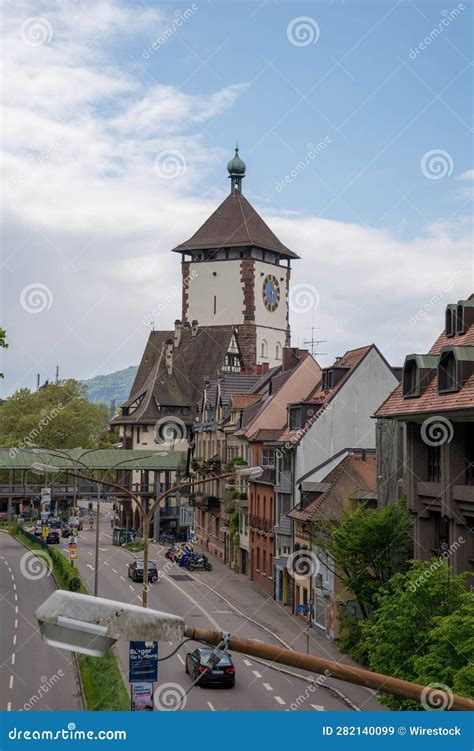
{"x": 354, "y": 120}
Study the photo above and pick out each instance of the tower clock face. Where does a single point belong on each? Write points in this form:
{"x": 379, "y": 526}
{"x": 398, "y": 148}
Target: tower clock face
{"x": 271, "y": 292}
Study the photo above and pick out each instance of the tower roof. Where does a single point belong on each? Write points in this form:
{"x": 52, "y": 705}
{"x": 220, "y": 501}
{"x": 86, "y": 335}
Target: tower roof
{"x": 235, "y": 223}
{"x": 236, "y": 166}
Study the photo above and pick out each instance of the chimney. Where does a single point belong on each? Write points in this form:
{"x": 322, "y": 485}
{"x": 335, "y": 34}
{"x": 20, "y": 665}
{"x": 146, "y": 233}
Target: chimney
{"x": 262, "y": 368}
{"x": 194, "y": 327}
{"x": 290, "y": 357}
{"x": 178, "y": 328}
{"x": 169, "y": 356}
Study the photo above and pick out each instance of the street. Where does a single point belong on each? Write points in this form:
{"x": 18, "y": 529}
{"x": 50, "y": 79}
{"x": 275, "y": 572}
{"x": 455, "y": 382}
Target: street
{"x": 34, "y": 676}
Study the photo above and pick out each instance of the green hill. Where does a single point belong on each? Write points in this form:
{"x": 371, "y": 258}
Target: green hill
{"x": 104, "y": 388}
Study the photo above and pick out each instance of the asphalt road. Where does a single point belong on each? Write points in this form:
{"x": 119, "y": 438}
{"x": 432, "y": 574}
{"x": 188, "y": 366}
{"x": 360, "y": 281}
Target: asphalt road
{"x": 257, "y": 686}
{"x": 32, "y": 675}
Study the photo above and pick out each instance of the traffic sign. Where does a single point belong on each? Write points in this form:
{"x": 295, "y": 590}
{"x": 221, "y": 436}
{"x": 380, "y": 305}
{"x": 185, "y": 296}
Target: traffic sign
{"x": 302, "y": 609}
{"x": 143, "y": 661}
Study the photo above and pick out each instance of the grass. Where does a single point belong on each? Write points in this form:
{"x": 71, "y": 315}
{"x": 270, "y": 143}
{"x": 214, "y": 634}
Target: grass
{"x": 135, "y": 546}
{"x": 104, "y": 689}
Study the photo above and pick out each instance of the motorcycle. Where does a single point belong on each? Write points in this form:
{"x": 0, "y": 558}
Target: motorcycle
{"x": 197, "y": 561}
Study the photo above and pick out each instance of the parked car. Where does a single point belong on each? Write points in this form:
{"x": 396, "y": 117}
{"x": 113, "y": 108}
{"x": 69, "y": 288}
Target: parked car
{"x": 137, "y": 568}
{"x": 221, "y": 674}
{"x": 53, "y": 537}
{"x": 54, "y": 523}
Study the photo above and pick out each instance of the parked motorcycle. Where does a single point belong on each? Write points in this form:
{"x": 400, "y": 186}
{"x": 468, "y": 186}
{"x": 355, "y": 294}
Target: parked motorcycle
{"x": 197, "y": 561}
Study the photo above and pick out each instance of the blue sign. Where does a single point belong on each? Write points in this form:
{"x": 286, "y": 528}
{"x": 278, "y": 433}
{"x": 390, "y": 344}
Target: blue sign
{"x": 302, "y": 609}
{"x": 143, "y": 661}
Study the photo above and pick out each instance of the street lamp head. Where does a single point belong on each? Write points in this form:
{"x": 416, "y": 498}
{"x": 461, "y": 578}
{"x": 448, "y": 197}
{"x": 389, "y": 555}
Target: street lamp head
{"x": 43, "y": 468}
{"x": 90, "y": 625}
{"x": 249, "y": 472}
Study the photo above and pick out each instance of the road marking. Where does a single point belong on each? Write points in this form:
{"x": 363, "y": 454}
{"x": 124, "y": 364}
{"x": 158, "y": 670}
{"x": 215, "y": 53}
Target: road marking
{"x": 279, "y": 700}
{"x": 131, "y": 588}
{"x": 16, "y": 597}
{"x": 267, "y": 686}
{"x": 89, "y": 565}
{"x": 318, "y": 707}
{"x": 16, "y": 608}
{"x": 122, "y": 578}
{"x": 115, "y": 571}
{"x": 14, "y": 639}
{"x": 180, "y": 659}
{"x": 256, "y": 674}
{"x": 9, "y": 706}
{"x": 16, "y": 623}
{"x": 13, "y": 658}
{"x": 12, "y": 576}
{"x": 106, "y": 564}
{"x": 11, "y": 681}
{"x": 103, "y": 549}
{"x": 89, "y": 552}
{"x": 14, "y": 586}
{"x": 248, "y": 663}
{"x": 210, "y": 705}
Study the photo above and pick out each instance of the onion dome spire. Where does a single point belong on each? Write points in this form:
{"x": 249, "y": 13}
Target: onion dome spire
{"x": 236, "y": 169}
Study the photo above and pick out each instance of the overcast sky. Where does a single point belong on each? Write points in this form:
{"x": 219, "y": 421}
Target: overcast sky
{"x": 120, "y": 119}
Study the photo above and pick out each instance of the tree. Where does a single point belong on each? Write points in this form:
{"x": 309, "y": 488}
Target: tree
{"x": 407, "y": 611}
{"x": 367, "y": 547}
{"x": 450, "y": 655}
{"x": 57, "y": 416}
{"x": 3, "y": 342}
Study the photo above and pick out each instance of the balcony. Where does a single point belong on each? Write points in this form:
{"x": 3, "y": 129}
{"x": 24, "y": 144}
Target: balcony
{"x": 260, "y": 523}
{"x": 169, "y": 511}
{"x": 206, "y": 502}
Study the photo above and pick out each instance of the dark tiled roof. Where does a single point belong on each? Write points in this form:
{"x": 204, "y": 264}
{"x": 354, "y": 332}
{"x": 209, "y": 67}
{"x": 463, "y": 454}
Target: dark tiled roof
{"x": 230, "y": 383}
{"x": 197, "y": 357}
{"x": 353, "y": 475}
{"x": 235, "y": 223}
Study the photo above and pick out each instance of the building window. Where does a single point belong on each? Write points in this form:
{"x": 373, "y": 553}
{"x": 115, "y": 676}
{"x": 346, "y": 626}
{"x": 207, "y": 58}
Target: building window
{"x": 447, "y": 372}
{"x": 294, "y": 418}
{"x": 470, "y": 454}
{"x": 327, "y": 380}
{"x": 278, "y": 351}
{"x": 410, "y": 379}
{"x": 449, "y": 322}
{"x": 460, "y": 319}
{"x": 138, "y": 434}
{"x": 434, "y": 463}
{"x": 264, "y": 562}
{"x": 257, "y": 559}
{"x": 268, "y": 459}
{"x": 264, "y": 348}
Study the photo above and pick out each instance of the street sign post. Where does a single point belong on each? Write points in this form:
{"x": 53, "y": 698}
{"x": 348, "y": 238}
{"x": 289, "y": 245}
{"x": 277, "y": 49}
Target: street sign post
{"x": 143, "y": 661}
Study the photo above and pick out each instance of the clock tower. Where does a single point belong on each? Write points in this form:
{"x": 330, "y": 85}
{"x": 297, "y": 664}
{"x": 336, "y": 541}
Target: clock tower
{"x": 235, "y": 271}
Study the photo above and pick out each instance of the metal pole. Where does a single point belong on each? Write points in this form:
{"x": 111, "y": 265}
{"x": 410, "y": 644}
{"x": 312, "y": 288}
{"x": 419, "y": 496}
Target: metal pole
{"x": 383, "y": 683}
{"x": 96, "y": 568}
{"x": 146, "y": 532}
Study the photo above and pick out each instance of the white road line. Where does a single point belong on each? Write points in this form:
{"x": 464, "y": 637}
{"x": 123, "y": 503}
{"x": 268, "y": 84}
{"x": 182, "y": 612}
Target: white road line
{"x": 122, "y": 578}
{"x": 106, "y": 564}
{"x": 16, "y": 597}
{"x": 115, "y": 571}
{"x": 9, "y": 706}
{"x": 12, "y": 576}
{"x": 267, "y": 686}
{"x": 11, "y": 681}
{"x": 318, "y": 707}
{"x": 14, "y": 639}
{"x": 13, "y": 658}
{"x": 279, "y": 700}
{"x": 180, "y": 659}
{"x": 131, "y": 588}
{"x": 210, "y": 706}
{"x": 89, "y": 565}
{"x": 89, "y": 552}
{"x": 248, "y": 663}
{"x": 14, "y": 586}
{"x": 102, "y": 549}
{"x": 256, "y": 674}
{"x": 16, "y": 608}
{"x": 16, "y": 623}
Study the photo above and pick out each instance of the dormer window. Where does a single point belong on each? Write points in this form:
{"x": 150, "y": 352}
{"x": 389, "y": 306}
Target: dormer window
{"x": 460, "y": 319}
{"x": 327, "y": 380}
{"x": 294, "y": 418}
{"x": 411, "y": 381}
{"x": 450, "y": 320}
{"x": 448, "y": 373}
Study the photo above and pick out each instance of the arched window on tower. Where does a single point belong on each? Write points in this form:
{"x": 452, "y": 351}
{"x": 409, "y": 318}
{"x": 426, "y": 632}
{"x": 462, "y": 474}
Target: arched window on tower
{"x": 278, "y": 351}
{"x": 264, "y": 348}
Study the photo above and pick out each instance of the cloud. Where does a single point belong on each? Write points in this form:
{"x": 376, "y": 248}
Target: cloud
{"x": 87, "y": 214}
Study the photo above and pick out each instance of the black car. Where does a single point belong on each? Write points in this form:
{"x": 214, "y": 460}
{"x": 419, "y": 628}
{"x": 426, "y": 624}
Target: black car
{"x": 136, "y": 569}
{"x": 222, "y": 674}
{"x": 53, "y": 537}
{"x": 54, "y": 523}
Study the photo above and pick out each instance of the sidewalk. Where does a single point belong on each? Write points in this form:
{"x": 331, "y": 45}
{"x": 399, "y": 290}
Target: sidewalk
{"x": 262, "y": 609}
